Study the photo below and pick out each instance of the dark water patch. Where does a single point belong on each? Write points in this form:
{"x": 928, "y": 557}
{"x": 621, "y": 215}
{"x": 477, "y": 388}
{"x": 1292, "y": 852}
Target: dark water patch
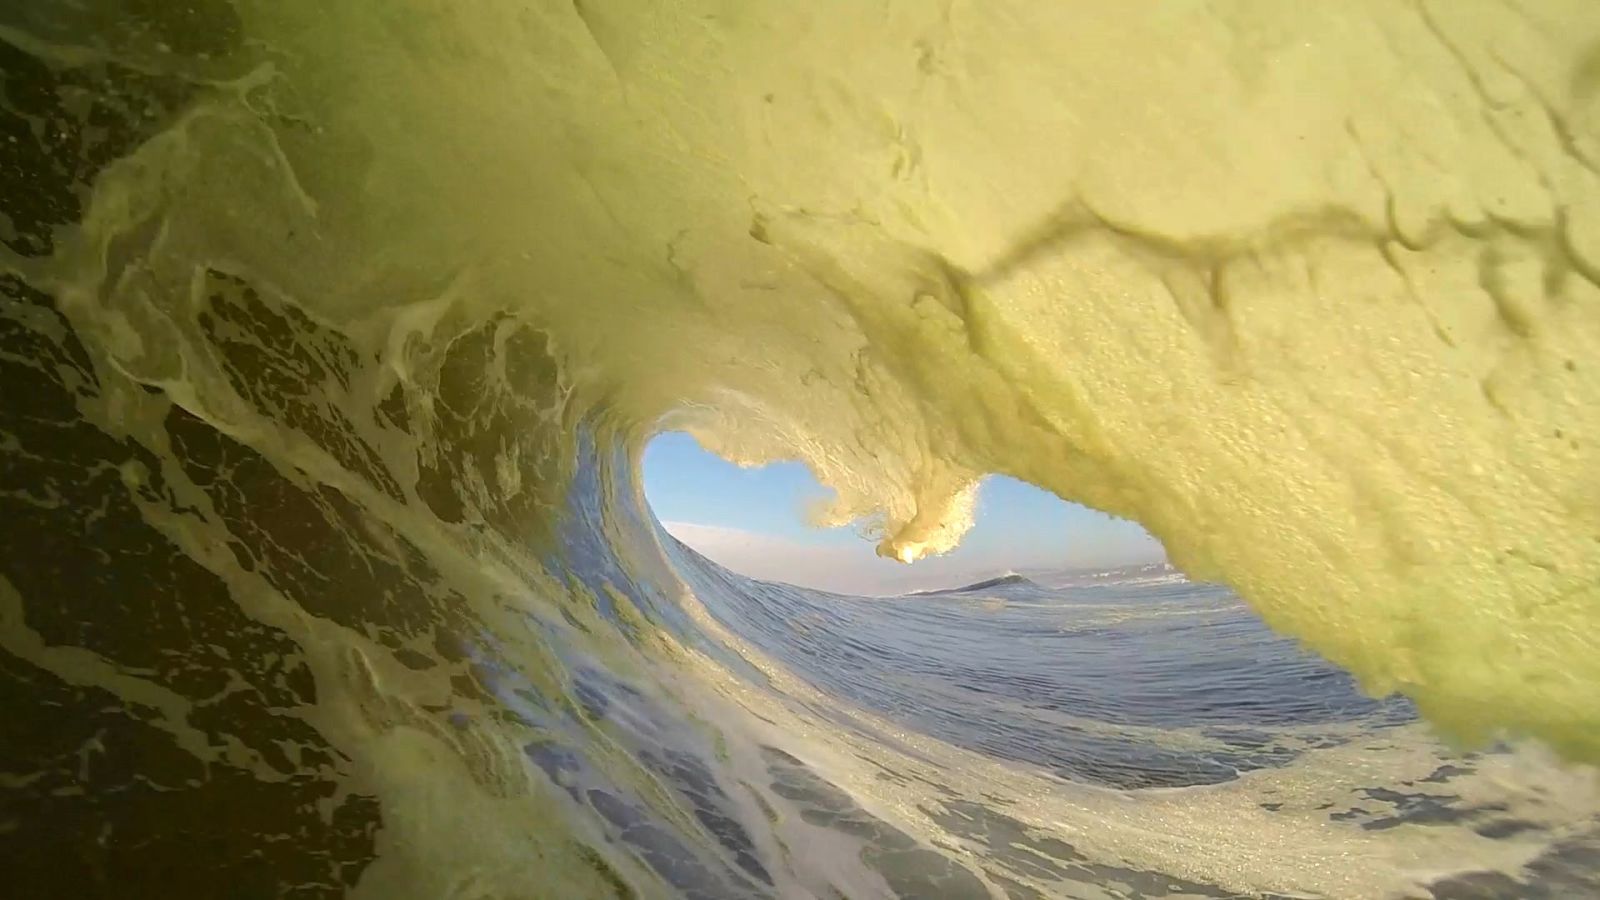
{"x": 911, "y": 870}
{"x": 663, "y": 851}
{"x": 292, "y": 370}
{"x": 199, "y": 30}
{"x": 96, "y": 789}
{"x": 590, "y": 699}
{"x": 694, "y": 782}
{"x": 560, "y": 764}
{"x": 1415, "y": 809}
{"x": 1569, "y": 869}
{"x": 1446, "y": 772}
{"x": 1504, "y": 828}
{"x": 1482, "y": 886}
{"x": 492, "y": 385}
{"x": 314, "y": 544}
{"x": 1422, "y": 809}
{"x": 662, "y": 746}
{"x": 1014, "y": 890}
{"x": 59, "y": 127}
{"x": 102, "y": 783}
{"x": 1025, "y": 853}
{"x": 648, "y": 837}
{"x": 1006, "y": 841}
{"x": 108, "y": 789}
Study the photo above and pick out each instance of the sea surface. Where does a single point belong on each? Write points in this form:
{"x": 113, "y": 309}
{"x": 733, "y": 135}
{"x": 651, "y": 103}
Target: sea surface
{"x": 1138, "y": 681}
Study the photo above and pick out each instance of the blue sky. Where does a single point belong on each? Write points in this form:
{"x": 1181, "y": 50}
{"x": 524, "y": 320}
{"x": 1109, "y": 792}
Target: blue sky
{"x": 753, "y": 521}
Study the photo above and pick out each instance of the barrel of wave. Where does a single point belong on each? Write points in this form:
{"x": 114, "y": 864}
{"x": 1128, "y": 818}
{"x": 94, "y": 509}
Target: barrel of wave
{"x": 1328, "y": 343}
{"x": 1309, "y": 292}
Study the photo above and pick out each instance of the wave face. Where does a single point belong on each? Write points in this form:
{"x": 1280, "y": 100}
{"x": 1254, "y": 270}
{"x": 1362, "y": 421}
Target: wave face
{"x": 330, "y": 338}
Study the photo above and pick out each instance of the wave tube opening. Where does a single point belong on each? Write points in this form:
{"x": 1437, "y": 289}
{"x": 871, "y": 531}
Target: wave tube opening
{"x": 758, "y": 522}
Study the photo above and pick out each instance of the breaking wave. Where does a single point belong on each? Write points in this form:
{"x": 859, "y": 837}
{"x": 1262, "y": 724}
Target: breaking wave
{"x": 331, "y": 335}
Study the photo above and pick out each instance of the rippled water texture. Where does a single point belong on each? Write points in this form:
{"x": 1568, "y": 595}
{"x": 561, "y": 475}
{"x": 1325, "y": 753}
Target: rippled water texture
{"x": 331, "y": 335}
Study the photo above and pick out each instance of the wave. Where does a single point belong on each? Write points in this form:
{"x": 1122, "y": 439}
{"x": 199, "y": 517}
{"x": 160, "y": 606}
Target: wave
{"x": 330, "y": 337}
{"x": 1000, "y": 581}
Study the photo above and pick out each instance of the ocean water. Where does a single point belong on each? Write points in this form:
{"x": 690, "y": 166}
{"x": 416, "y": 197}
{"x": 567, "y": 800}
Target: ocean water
{"x": 1135, "y": 686}
{"x": 1127, "y": 678}
{"x": 331, "y": 335}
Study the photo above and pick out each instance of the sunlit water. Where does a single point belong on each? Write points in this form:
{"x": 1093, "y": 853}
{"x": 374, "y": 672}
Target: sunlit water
{"x": 1129, "y": 678}
{"x": 1134, "y": 679}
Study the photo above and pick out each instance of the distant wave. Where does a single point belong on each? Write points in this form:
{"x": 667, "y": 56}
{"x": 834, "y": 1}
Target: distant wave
{"x": 1001, "y": 581}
